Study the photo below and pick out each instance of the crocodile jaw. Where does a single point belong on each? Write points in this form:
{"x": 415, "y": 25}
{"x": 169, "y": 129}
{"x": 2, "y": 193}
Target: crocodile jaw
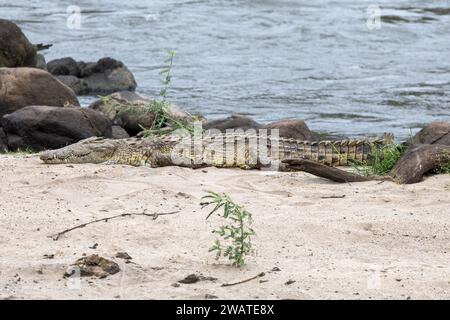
{"x": 91, "y": 150}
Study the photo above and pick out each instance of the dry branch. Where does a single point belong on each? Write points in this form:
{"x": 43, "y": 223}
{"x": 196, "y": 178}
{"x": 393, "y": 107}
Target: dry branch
{"x": 153, "y": 215}
{"x": 324, "y": 171}
{"x": 262, "y": 274}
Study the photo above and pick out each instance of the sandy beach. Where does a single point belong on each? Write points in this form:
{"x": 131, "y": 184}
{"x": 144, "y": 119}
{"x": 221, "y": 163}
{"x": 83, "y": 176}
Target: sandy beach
{"x": 327, "y": 241}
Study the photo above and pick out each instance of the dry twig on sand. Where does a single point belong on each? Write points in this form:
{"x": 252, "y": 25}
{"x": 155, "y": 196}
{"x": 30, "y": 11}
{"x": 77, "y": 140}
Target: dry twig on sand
{"x": 262, "y": 274}
{"x": 153, "y": 215}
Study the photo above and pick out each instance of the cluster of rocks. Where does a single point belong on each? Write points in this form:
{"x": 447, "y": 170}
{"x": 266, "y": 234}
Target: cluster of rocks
{"x": 105, "y": 76}
{"x": 39, "y": 108}
{"x": 37, "y": 111}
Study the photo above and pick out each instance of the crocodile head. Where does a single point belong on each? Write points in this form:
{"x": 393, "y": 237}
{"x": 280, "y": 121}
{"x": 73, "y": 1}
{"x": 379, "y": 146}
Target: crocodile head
{"x": 90, "y": 150}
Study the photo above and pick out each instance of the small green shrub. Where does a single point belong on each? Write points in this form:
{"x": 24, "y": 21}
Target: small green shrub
{"x": 237, "y": 234}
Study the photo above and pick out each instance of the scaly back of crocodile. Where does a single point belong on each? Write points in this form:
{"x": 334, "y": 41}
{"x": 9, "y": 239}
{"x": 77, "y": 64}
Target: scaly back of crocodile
{"x": 229, "y": 150}
{"x": 240, "y": 150}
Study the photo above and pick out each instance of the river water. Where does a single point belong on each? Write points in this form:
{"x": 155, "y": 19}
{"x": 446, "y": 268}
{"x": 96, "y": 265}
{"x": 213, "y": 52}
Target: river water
{"x": 332, "y": 63}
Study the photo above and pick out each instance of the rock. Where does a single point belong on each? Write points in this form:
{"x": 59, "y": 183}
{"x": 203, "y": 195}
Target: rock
{"x": 437, "y": 132}
{"x": 86, "y": 68}
{"x": 110, "y": 81}
{"x": 79, "y": 86}
{"x": 236, "y": 121}
{"x": 21, "y": 87}
{"x": 3, "y": 141}
{"x": 16, "y": 50}
{"x": 119, "y": 133}
{"x": 295, "y": 129}
{"x": 130, "y": 111}
{"x": 193, "y": 278}
{"x": 40, "y": 62}
{"x": 106, "y": 64}
{"x": 105, "y": 76}
{"x": 94, "y": 266}
{"x": 63, "y": 67}
{"x": 46, "y": 127}
{"x": 123, "y": 255}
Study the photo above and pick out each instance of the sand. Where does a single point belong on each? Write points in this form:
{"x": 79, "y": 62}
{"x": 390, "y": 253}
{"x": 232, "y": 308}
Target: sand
{"x": 374, "y": 241}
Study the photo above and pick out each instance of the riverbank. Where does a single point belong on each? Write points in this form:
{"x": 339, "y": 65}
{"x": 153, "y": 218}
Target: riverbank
{"x": 364, "y": 240}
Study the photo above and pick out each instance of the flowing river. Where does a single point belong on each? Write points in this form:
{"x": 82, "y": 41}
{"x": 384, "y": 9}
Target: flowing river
{"x": 335, "y": 64}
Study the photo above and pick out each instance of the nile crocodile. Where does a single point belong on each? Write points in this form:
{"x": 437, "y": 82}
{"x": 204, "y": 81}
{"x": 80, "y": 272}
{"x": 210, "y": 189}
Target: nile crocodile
{"x": 241, "y": 150}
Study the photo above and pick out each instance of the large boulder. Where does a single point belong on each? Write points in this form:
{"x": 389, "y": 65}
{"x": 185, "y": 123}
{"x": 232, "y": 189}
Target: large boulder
{"x": 15, "y": 49}
{"x": 46, "y": 127}
{"x": 131, "y": 111}
{"x": 295, "y": 129}
{"x": 105, "y": 76}
{"x": 437, "y": 132}
{"x": 3, "y": 141}
{"x": 21, "y": 87}
{"x": 235, "y": 121}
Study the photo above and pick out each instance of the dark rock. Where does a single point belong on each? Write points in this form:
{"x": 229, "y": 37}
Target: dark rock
{"x": 94, "y": 266}
{"x": 3, "y": 141}
{"x": 16, "y": 50}
{"x": 110, "y": 81}
{"x": 106, "y": 64}
{"x": 276, "y": 269}
{"x": 105, "y": 76}
{"x": 295, "y": 129}
{"x": 78, "y": 85}
{"x": 131, "y": 111}
{"x": 63, "y": 67}
{"x": 123, "y": 255}
{"x": 193, "y": 278}
{"x": 86, "y": 68}
{"x": 21, "y": 87}
{"x": 236, "y": 121}
{"x": 44, "y": 127}
{"x": 437, "y": 132}
{"x": 119, "y": 133}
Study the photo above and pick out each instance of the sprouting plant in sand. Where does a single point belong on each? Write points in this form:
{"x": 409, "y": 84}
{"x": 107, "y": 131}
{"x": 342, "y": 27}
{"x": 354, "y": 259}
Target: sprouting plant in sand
{"x": 236, "y": 234}
{"x": 382, "y": 160}
{"x": 158, "y": 108}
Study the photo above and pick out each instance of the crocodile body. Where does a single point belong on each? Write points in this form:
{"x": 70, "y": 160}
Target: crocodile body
{"x": 245, "y": 151}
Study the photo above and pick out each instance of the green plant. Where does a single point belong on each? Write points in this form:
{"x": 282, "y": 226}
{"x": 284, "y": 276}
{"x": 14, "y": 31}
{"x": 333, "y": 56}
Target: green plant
{"x": 382, "y": 160}
{"x": 163, "y": 120}
{"x": 237, "y": 234}
{"x": 160, "y": 108}
{"x": 443, "y": 168}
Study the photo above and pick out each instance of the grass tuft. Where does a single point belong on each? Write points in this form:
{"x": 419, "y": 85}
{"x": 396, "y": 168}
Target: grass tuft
{"x": 383, "y": 159}
{"x": 443, "y": 168}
